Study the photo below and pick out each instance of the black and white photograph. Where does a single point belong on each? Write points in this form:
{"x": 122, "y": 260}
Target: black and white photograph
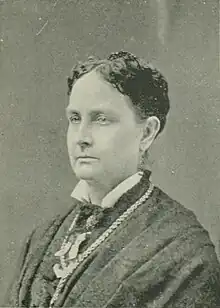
{"x": 110, "y": 153}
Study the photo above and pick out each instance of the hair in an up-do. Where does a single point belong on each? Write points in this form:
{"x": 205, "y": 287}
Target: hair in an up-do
{"x": 140, "y": 81}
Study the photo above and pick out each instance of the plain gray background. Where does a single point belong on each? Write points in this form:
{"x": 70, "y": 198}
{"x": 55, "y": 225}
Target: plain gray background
{"x": 40, "y": 42}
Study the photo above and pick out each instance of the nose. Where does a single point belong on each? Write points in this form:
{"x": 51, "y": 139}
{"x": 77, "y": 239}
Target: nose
{"x": 84, "y": 137}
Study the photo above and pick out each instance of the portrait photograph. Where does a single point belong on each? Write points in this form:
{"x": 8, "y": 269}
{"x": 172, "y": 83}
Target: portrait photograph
{"x": 109, "y": 153}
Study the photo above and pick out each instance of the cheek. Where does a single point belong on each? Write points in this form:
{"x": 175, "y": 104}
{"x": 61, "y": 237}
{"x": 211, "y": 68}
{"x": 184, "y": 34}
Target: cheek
{"x": 120, "y": 142}
{"x": 129, "y": 136}
{"x": 129, "y": 146}
{"x": 70, "y": 140}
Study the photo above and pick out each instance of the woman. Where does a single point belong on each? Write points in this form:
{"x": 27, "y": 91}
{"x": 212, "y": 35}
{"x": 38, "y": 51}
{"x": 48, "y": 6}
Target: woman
{"x": 124, "y": 242}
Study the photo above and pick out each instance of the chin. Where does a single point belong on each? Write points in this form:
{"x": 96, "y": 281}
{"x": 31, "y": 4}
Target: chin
{"x": 85, "y": 173}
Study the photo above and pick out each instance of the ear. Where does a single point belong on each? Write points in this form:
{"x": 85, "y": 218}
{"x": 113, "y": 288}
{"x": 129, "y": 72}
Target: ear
{"x": 150, "y": 131}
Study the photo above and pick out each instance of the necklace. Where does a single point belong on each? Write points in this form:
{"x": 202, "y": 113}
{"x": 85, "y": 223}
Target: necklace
{"x": 68, "y": 270}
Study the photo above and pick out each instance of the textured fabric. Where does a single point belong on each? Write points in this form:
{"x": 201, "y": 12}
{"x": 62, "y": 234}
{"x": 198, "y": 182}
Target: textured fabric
{"x": 161, "y": 257}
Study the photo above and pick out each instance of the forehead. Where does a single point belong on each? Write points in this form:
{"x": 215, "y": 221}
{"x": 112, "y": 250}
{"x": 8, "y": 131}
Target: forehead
{"x": 91, "y": 91}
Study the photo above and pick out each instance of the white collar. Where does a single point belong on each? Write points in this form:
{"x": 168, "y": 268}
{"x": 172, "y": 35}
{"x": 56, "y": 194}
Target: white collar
{"x": 80, "y": 192}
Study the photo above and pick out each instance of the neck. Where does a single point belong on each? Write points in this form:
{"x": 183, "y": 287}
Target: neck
{"x": 96, "y": 194}
{"x": 97, "y": 191}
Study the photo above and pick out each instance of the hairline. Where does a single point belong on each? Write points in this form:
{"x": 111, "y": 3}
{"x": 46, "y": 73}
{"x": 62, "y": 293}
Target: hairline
{"x": 96, "y": 69}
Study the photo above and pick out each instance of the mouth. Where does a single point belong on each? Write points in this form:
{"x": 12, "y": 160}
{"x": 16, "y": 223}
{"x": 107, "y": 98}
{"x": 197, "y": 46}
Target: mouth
{"x": 86, "y": 157}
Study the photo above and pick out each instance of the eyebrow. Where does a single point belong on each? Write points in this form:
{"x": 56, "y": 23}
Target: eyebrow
{"x": 92, "y": 112}
{"x": 69, "y": 110}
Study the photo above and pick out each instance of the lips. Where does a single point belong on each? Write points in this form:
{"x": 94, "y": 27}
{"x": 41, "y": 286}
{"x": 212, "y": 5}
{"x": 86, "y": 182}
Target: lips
{"x": 86, "y": 157}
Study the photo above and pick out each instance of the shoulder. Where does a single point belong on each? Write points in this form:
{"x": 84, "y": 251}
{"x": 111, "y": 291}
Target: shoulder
{"x": 173, "y": 220}
{"x": 178, "y": 234}
{"x": 32, "y": 250}
{"x": 47, "y": 227}
{"x": 172, "y": 209}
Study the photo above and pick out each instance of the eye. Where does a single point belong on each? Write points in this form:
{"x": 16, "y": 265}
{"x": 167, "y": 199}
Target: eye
{"x": 74, "y": 118}
{"x": 102, "y": 119}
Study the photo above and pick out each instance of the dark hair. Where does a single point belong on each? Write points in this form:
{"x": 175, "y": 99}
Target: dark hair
{"x": 140, "y": 81}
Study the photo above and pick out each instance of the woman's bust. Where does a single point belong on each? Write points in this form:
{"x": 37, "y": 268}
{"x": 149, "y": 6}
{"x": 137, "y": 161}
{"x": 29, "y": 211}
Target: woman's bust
{"x": 124, "y": 242}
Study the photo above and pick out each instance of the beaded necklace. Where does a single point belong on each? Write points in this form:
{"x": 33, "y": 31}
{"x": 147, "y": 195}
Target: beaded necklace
{"x": 74, "y": 258}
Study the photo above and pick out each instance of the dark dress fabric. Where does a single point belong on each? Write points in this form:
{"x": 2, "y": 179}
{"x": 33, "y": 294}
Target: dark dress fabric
{"x": 160, "y": 257}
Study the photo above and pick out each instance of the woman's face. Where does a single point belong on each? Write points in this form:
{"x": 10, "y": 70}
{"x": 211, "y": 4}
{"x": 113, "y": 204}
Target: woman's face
{"x": 103, "y": 135}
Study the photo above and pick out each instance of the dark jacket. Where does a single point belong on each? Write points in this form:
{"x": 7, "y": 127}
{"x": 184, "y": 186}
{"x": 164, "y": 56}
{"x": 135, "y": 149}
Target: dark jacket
{"x": 160, "y": 257}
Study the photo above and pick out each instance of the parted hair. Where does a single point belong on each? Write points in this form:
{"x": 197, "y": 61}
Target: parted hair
{"x": 146, "y": 87}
